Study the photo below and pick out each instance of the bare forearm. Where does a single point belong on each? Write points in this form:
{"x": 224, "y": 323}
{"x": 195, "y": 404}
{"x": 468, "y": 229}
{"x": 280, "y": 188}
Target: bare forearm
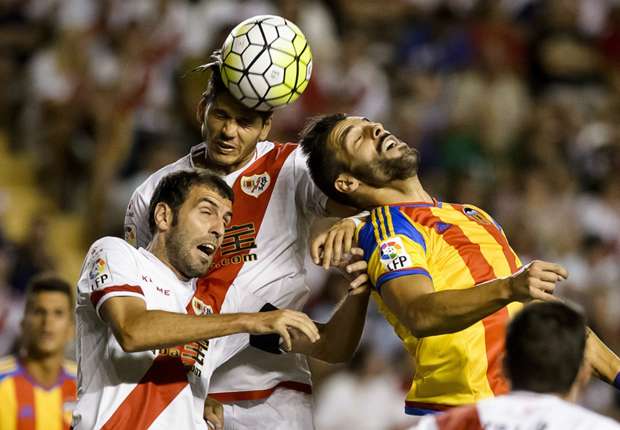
{"x": 450, "y": 311}
{"x": 340, "y": 336}
{"x": 605, "y": 363}
{"x": 159, "y": 329}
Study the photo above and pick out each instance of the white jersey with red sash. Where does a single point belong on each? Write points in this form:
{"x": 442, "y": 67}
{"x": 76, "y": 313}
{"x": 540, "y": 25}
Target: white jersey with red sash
{"x": 141, "y": 390}
{"x": 263, "y": 254}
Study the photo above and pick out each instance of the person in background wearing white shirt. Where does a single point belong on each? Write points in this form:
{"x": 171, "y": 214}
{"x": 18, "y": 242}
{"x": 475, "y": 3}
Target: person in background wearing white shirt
{"x": 546, "y": 362}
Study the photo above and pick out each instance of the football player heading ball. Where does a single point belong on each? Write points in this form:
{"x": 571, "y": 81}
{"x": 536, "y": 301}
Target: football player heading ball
{"x": 264, "y": 248}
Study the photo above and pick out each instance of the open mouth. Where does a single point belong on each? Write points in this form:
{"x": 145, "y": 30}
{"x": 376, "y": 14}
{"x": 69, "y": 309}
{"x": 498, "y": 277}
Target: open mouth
{"x": 225, "y": 147}
{"x": 207, "y": 248}
{"x": 388, "y": 143}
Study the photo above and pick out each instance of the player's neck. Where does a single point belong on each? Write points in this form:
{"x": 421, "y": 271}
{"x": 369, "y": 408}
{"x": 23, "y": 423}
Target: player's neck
{"x": 408, "y": 190}
{"x": 158, "y": 249}
{"x": 45, "y": 370}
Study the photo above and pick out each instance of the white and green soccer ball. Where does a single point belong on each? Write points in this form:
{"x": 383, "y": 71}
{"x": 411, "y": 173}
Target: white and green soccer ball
{"x": 266, "y": 62}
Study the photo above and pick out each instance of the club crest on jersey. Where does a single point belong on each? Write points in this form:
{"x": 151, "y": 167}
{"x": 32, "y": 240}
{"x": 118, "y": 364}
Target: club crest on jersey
{"x": 200, "y": 307}
{"x": 255, "y": 185}
{"x": 99, "y": 272}
{"x": 394, "y": 255}
{"x": 475, "y": 215}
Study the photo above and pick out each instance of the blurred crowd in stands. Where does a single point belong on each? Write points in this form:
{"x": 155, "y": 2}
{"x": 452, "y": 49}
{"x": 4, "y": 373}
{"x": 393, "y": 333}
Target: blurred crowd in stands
{"x": 514, "y": 105}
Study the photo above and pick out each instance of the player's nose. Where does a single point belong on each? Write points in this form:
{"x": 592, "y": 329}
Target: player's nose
{"x": 218, "y": 229}
{"x": 230, "y": 128}
{"x": 377, "y": 130}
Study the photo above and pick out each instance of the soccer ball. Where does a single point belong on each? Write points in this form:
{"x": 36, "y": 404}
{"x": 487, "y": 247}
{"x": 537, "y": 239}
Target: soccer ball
{"x": 266, "y": 62}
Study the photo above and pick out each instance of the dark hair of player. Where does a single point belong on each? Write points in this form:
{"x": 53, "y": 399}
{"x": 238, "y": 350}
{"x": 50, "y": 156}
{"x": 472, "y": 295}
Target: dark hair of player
{"x": 48, "y": 283}
{"x": 324, "y": 167}
{"x": 216, "y": 87}
{"x": 174, "y": 188}
{"x": 545, "y": 347}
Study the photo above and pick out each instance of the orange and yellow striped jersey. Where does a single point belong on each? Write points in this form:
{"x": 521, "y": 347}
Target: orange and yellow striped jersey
{"x": 25, "y": 405}
{"x": 456, "y": 246}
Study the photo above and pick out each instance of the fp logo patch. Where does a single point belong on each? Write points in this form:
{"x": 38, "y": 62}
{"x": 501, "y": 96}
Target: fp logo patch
{"x": 255, "y": 185}
{"x": 99, "y": 272}
{"x": 394, "y": 255}
{"x": 390, "y": 250}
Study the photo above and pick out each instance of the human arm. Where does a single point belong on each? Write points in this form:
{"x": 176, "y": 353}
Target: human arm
{"x": 341, "y": 334}
{"x": 138, "y": 329}
{"x": 605, "y": 363}
{"x": 427, "y": 312}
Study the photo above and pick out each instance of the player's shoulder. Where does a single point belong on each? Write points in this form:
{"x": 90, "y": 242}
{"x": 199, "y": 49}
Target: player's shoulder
{"x": 70, "y": 368}
{"x": 471, "y": 211}
{"x": 8, "y": 366}
{"x": 110, "y": 243}
{"x": 385, "y": 222}
{"x": 146, "y": 188}
{"x": 593, "y": 420}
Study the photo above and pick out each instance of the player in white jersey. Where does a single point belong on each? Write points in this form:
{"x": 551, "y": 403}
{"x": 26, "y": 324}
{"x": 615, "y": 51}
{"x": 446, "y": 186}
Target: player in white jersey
{"x": 262, "y": 253}
{"x": 547, "y": 365}
{"x": 132, "y": 303}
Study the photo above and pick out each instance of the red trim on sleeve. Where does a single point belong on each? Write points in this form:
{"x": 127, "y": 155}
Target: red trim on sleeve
{"x": 97, "y": 295}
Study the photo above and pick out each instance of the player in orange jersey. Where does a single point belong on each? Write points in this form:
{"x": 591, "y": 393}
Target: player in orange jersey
{"x": 444, "y": 274}
{"x": 38, "y": 387}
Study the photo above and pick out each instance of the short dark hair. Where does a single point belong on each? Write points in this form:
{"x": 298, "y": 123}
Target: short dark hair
{"x": 324, "y": 167}
{"x": 48, "y": 282}
{"x": 216, "y": 87}
{"x": 174, "y": 188}
{"x": 545, "y": 347}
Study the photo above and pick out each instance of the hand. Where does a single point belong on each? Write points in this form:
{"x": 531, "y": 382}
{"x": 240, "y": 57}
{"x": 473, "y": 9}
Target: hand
{"x": 280, "y": 322}
{"x": 214, "y": 414}
{"x": 536, "y": 280}
{"x": 354, "y": 267}
{"x": 327, "y": 248}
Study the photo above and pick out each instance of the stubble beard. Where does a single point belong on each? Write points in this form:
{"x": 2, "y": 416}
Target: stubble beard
{"x": 179, "y": 255}
{"x": 381, "y": 172}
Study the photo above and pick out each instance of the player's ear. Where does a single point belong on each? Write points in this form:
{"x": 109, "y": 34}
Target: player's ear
{"x": 163, "y": 216}
{"x": 346, "y": 183}
{"x": 201, "y": 110}
{"x": 264, "y": 132}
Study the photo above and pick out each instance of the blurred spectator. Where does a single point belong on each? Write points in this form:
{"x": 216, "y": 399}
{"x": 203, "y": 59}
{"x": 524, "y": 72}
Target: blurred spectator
{"x": 31, "y": 255}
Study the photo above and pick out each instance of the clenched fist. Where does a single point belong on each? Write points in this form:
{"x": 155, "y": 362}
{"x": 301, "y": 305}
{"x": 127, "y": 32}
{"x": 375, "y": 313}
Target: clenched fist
{"x": 536, "y": 280}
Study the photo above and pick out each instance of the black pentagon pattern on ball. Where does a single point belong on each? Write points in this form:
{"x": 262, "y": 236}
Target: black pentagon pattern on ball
{"x": 266, "y": 28}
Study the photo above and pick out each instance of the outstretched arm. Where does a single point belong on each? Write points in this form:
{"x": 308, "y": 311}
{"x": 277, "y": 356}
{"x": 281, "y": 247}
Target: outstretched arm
{"x": 427, "y": 312}
{"x": 138, "y": 329}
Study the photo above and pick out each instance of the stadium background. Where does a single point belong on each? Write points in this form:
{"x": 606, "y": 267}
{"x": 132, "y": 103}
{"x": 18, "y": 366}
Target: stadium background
{"x": 515, "y": 106}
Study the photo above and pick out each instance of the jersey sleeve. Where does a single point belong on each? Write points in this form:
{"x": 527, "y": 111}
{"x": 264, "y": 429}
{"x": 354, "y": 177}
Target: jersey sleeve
{"x": 110, "y": 271}
{"x": 137, "y": 232}
{"x": 308, "y": 196}
{"x": 393, "y": 247}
